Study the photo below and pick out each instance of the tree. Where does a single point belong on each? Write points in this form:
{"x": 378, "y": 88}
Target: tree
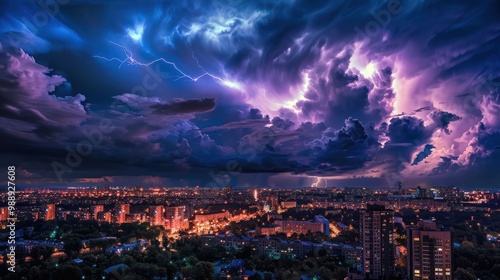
{"x": 128, "y": 260}
{"x": 165, "y": 241}
{"x": 171, "y": 270}
{"x": 495, "y": 270}
{"x": 208, "y": 254}
{"x": 256, "y": 276}
{"x": 245, "y": 253}
{"x": 463, "y": 274}
{"x": 339, "y": 273}
{"x": 187, "y": 272}
{"x": 41, "y": 253}
{"x": 467, "y": 244}
{"x": 102, "y": 244}
{"x": 325, "y": 273}
{"x": 34, "y": 273}
{"x": 250, "y": 265}
{"x": 67, "y": 271}
{"x": 322, "y": 253}
{"x": 203, "y": 271}
{"x": 290, "y": 275}
{"x": 72, "y": 246}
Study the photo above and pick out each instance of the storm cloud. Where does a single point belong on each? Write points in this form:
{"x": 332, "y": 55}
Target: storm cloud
{"x": 283, "y": 88}
{"x": 184, "y": 106}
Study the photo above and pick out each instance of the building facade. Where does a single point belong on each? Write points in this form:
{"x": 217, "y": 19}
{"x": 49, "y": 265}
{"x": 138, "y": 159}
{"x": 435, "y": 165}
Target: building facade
{"x": 156, "y": 215}
{"x": 121, "y": 212}
{"x": 376, "y": 230}
{"x": 429, "y": 252}
{"x": 95, "y": 209}
{"x": 49, "y": 211}
{"x": 299, "y": 227}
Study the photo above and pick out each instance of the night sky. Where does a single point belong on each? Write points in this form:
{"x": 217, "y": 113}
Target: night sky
{"x": 251, "y": 93}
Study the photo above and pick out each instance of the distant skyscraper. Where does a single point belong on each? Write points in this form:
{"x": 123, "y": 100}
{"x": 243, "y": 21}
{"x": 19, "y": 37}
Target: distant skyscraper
{"x": 156, "y": 216}
{"x": 49, "y": 211}
{"x": 376, "y": 229}
{"x": 95, "y": 209}
{"x": 121, "y": 211}
{"x": 429, "y": 252}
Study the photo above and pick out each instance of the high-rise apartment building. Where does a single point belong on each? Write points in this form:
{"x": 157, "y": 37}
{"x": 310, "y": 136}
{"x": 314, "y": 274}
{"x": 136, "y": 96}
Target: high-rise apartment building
{"x": 121, "y": 211}
{"x": 429, "y": 252}
{"x": 95, "y": 209}
{"x": 177, "y": 217}
{"x": 377, "y": 239}
{"x": 49, "y": 211}
{"x": 175, "y": 212}
{"x": 156, "y": 217}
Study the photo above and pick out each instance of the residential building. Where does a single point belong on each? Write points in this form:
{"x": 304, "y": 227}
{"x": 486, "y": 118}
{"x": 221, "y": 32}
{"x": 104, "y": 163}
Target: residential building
{"x": 376, "y": 230}
{"x": 429, "y": 252}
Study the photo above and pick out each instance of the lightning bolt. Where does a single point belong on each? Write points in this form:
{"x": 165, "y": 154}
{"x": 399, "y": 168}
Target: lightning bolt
{"x": 318, "y": 180}
{"x": 130, "y": 60}
{"x": 314, "y": 185}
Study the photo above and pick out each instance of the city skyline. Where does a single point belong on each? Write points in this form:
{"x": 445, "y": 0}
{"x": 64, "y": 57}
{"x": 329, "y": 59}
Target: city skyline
{"x": 250, "y": 94}
{"x": 351, "y": 233}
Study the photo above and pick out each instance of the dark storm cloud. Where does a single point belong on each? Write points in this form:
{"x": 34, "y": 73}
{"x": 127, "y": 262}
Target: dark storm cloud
{"x": 284, "y": 124}
{"x": 231, "y": 119}
{"x": 423, "y": 154}
{"x": 179, "y": 106}
{"x": 346, "y": 93}
{"x": 287, "y": 80}
{"x": 485, "y": 145}
{"x": 27, "y": 107}
{"x": 335, "y": 97}
{"x": 381, "y": 95}
{"x": 31, "y": 115}
{"x": 443, "y": 119}
{"x": 446, "y": 166}
{"x": 421, "y": 109}
{"x": 250, "y": 123}
{"x": 405, "y": 134}
{"x": 281, "y": 149}
{"x": 344, "y": 149}
{"x": 407, "y": 130}
{"x": 36, "y": 28}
